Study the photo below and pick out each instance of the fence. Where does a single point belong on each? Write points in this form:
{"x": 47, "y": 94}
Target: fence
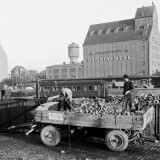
{"x": 16, "y": 112}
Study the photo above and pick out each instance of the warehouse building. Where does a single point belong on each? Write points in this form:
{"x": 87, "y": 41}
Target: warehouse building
{"x": 72, "y": 70}
{"x": 3, "y": 64}
{"x": 129, "y": 46}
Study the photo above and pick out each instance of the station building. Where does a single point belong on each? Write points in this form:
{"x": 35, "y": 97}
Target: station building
{"x": 67, "y": 71}
{"x": 129, "y": 46}
{"x": 3, "y": 64}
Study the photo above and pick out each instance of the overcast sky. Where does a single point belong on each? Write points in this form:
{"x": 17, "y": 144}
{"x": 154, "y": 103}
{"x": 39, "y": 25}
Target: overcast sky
{"x": 36, "y": 33}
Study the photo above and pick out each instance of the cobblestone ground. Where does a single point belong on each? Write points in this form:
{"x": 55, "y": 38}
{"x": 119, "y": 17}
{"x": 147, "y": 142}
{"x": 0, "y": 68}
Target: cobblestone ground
{"x": 21, "y": 147}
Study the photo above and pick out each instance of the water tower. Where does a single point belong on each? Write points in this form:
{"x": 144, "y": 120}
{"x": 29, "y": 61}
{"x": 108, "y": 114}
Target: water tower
{"x": 73, "y": 52}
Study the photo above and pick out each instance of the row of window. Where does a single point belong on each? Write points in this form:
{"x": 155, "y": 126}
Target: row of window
{"x": 155, "y": 63}
{"x": 156, "y": 56}
{"x": 64, "y": 70}
{"x": 155, "y": 48}
{"x": 73, "y": 88}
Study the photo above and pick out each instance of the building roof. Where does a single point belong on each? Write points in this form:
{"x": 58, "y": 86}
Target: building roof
{"x": 65, "y": 65}
{"x": 33, "y": 72}
{"x": 124, "y": 30}
{"x": 120, "y": 35}
{"x": 144, "y": 12}
{"x": 17, "y": 68}
{"x": 43, "y": 73}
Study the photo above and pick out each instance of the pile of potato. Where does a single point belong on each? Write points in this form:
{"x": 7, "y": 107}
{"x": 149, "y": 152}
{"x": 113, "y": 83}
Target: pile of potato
{"x": 99, "y": 106}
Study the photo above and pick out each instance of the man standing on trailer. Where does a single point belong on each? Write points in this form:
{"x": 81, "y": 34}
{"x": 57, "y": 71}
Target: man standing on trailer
{"x": 67, "y": 94}
{"x": 128, "y": 93}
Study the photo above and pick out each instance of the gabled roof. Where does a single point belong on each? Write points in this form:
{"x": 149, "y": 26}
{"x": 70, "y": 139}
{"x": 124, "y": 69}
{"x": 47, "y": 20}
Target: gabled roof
{"x": 144, "y": 12}
{"x": 130, "y": 34}
{"x": 124, "y": 30}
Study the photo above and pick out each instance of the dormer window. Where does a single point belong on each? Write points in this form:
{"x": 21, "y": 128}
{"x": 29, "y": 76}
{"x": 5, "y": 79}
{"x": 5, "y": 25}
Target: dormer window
{"x": 91, "y": 33}
{"x": 146, "y": 26}
{"x": 116, "y": 30}
{"x": 100, "y": 31}
{"x": 137, "y": 27}
{"x": 144, "y": 32}
{"x": 108, "y": 30}
{"x": 125, "y": 29}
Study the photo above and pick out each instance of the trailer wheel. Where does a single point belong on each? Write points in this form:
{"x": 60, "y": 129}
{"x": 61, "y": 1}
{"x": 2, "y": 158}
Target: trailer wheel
{"x": 50, "y": 135}
{"x": 116, "y": 140}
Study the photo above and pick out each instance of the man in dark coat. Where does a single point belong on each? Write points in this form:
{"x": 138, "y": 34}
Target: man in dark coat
{"x": 128, "y": 93}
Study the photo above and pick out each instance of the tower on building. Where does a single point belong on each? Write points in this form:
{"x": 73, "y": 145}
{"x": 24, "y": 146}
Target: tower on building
{"x": 73, "y": 53}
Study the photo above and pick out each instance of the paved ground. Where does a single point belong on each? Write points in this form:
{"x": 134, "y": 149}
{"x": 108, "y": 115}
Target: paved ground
{"x": 21, "y": 147}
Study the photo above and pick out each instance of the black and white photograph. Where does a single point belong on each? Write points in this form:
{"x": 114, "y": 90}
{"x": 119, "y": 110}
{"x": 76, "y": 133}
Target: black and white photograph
{"x": 79, "y": 80}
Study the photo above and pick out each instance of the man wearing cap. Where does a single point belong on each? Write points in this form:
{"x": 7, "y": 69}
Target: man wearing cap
{"x": 67, "y": 94}
{"x": 128, "y": 94}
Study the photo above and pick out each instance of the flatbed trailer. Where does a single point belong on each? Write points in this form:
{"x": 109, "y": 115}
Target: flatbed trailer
{"x": 118, "y": 130}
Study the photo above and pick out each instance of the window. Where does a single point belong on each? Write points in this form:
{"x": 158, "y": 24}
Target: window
{"x": 64, "y": 76}
{"x": 101, "y": 87}
{"x": 143, "y": 47}
{"x": 56, "y": 77}
{"x": 137, "y": 27}
{"x": 125, "y": 29}
{"x": 72, "y": 76}
{"x": 116, "y": 30}
{"x": 53, "y": 89}
{"x": 100, "y": 31}
{"x": 91, "y": 33}
{"x": 142, "y": 55}
{"x": 144, "y": 32}
{"x": 79, "y": 69}
{"x": 56, "y": 71}
{"x": 49, "y": 71}
{"x": 143, "y": 72}
{"x": 143, "y": 63}
{"x": 77, "y": 88}
{"x": 72, "y": 69}
{"x": 108, "y": 30}
{"x": 85, "y": 88}
{"x": 64, "y": 70}
{"x": 89, "y": 88}
{"x": 95, "y": 87}
{"x": 73, "y": 88}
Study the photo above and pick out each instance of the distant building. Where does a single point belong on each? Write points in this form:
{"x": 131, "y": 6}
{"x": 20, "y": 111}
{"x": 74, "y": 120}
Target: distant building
{"x": 23, "y": 77}
{"x": 42, "y": 75}
{"x": 129, "y": 46}
{"x": 3, "y": 64}
{"x": 66, "y": 71}
{"x": 33, "y": 74}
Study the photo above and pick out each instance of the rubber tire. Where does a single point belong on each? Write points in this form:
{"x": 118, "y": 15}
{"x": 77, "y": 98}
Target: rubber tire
{"x": 53, "y": 130}
{"x": 122, "y": 135}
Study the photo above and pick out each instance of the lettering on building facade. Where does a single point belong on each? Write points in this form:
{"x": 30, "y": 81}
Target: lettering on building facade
{"x": 108, "y": 58}
{"x": 113, "y": 51}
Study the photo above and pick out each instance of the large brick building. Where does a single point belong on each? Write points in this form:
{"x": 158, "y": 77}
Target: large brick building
{"x": 129, "y": 46}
